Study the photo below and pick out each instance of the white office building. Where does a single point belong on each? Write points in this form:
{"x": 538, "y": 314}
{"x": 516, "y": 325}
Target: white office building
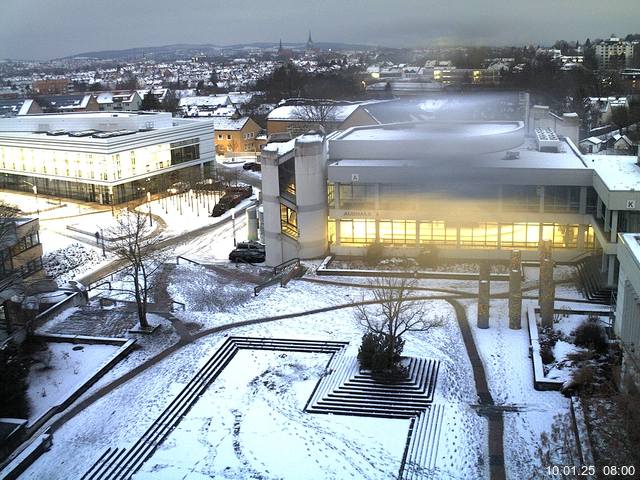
{"x": 103, "y": 157}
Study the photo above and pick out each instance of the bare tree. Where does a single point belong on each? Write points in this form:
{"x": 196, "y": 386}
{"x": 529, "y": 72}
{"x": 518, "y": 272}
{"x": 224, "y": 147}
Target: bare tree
{"x": 8, "y": 214}
{"x": 394, "y": 314}
{"x": 135, "y": 243}
{"x": 319, "y": 114}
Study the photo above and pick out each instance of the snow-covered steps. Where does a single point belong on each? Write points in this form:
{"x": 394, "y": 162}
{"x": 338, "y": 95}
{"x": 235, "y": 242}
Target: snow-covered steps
{"x": 422, "y": 443}
{"x": 346, "y": 390}
{"x": 122, "y": 463}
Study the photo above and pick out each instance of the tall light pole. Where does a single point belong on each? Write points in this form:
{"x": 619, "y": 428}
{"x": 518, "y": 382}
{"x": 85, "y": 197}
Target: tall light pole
{"x": 233, "y": 224}
{"x": 35, "y": 192}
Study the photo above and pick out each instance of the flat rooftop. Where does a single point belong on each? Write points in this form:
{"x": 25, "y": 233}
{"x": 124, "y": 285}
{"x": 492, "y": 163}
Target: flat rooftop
{"x": 528, "y": 157}
{"x": 617, "y": 172}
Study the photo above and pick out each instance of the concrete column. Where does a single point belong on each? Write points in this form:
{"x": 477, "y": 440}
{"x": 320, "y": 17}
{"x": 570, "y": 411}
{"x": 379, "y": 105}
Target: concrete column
{"x": 607, "y": 221}
{"x": 336, "y": 195}
{"x": 311, "y": 195}
{"x": 515, "y": 299}
{"x": 271, "y": 207}
{"x": 614, "y": 226}
{"x": 598, "y": 208}
{"x": 611, "y": 270}
{"x": 484, "y": 291}
{"x": 583, "y": 200}
{"x": 515, "y": 290}
{"x": 582, "y": 232}
{"x": 547, "y": 292}
{"x": 252, "y": 223}
{"x": 483, "y": 304}
{"x": 545, "y": 254}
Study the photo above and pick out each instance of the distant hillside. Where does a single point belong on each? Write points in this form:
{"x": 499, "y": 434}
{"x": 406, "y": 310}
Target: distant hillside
{"x": 187, "y": 49}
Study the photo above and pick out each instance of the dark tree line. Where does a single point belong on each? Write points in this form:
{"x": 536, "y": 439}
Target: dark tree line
{"x": 288, "y": 81}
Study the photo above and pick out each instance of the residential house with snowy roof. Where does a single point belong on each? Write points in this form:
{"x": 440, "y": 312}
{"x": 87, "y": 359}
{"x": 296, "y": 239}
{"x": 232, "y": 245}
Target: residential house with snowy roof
{"x": 119, "y": 101}
{"x": 236, "y": 135}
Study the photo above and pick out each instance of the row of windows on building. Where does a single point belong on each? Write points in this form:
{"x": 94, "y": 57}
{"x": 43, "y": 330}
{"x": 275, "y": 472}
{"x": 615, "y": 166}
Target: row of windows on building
{"x": 91, "y": 166}
{"x": 528, "y": 198}
{"x": 492, "y": 235}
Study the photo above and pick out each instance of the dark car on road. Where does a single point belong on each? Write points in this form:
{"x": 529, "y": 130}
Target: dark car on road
{"x": 232, "y": 197}
{"x": 251, "y": 252}
{"x": 253, "y": 166}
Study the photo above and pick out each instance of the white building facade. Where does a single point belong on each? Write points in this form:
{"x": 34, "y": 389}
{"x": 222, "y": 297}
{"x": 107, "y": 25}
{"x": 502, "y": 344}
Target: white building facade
{"x": 103, "y": 157}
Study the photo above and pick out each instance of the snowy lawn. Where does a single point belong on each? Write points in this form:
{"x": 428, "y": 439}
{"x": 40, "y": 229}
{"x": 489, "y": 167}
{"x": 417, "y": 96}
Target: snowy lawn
{"x": 60, "y": 369}
{"x": 249, "y": 424}
{"x": 505, "y": 355}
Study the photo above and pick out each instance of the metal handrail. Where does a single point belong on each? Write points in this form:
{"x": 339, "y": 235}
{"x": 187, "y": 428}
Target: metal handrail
{"x": 284, "y": 265}
{"x": 187, "y": 259}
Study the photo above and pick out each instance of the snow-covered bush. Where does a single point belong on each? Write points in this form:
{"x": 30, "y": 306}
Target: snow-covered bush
{"x": 64, "y": 264}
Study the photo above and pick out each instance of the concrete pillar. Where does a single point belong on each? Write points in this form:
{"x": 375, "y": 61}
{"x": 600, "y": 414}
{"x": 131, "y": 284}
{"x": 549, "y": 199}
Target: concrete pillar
{"x": 515, "y": 290}
{"x": 583, "y": 200}
{"x": 484, "y": 291}
{"x": 271, "y": 207}
{"x": 252, "y": 223}
{"x": 582, "y": 233}
{"x": 614, "y": 225}
{"x": 598, "y": 208}
{"x": 515, "y": 299}
{"x": 547, "y": 292}
{"x": 483, "y": 304}
{"x": 311, "y": 195}
{"x": 611, "y": 270}
{"x": 607, "y": 220}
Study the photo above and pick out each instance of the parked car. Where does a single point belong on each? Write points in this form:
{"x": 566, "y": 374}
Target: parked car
{"x": 253, "y": 166}
{"x": 251, "y": 252}
{"x": 232, "y": 197}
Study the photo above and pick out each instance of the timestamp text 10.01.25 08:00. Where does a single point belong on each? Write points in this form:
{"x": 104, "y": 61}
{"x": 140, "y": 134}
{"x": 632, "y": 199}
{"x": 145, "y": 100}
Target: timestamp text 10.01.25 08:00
{"x": 590, "y": 470}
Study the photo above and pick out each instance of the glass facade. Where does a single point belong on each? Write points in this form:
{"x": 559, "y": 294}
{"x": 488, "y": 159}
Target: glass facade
{"x": 288, "y": 221}
{"x": 93, "y": 166}
{"x": 489, "y": 235}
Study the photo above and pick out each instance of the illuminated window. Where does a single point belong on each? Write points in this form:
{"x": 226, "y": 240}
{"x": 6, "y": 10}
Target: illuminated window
{"x": 331, "y": 230}
{"x": 398, "y": 232}
{"x": 357, "y": 231}
{"x": 482, "y": 235}
{"x": 331, "y": 194}
{"x": 288, "y": 221}
{"x": 438, "y": 233}
{"x": 520, "y": 235}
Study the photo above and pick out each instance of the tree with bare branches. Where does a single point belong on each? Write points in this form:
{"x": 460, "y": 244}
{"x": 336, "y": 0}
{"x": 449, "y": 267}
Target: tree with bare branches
{"x": 8, "y": 214}
{"x": 134, "y": 242}
{"x": 394, "y": 314}
{"x": 315, "y": 115}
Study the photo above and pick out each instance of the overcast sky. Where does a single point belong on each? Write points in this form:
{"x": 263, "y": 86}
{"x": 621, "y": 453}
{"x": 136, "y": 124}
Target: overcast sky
{"x": 42, "y": 29}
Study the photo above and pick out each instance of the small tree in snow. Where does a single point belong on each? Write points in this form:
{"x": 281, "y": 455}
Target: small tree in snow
{"x": 395, "y": 314}
{"x": 135, "y": 244}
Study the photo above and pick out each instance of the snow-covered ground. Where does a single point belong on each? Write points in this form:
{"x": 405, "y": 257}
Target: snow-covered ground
{"x": 59, "y": 370}
{"x": 250, "y": 422}
{"x": 505, "y": 356}
{"x": 249, "y": 425}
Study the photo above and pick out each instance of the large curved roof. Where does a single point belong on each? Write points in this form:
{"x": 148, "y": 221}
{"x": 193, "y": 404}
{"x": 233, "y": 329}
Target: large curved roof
{"x": 438, "y": 138}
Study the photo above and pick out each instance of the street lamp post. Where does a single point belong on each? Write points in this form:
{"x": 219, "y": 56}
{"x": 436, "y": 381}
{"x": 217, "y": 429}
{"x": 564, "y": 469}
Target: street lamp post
{"x": 35, "y": 192}
{"x": 233, "y": 225}
{"x": 149, "y": 205}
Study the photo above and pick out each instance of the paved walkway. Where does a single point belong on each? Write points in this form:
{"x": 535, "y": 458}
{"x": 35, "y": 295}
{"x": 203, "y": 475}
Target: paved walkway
{"x": 496, "y": 424}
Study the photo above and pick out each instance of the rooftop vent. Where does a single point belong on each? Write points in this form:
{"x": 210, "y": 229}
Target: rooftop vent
{"x": 547, "y": 140}
{"x": 512, "y": 155}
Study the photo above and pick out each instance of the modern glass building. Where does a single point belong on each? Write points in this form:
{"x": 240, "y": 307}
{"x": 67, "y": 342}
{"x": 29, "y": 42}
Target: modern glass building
{"x": 102, "y": 157}
{"x": 473, "y": 189}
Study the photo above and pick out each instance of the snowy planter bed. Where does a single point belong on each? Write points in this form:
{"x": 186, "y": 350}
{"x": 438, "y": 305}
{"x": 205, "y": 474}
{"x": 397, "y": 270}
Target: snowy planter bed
{"x": 408, "y": 267}
{"x": 69, "y": 366}
{"x": 557, "y": 371}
